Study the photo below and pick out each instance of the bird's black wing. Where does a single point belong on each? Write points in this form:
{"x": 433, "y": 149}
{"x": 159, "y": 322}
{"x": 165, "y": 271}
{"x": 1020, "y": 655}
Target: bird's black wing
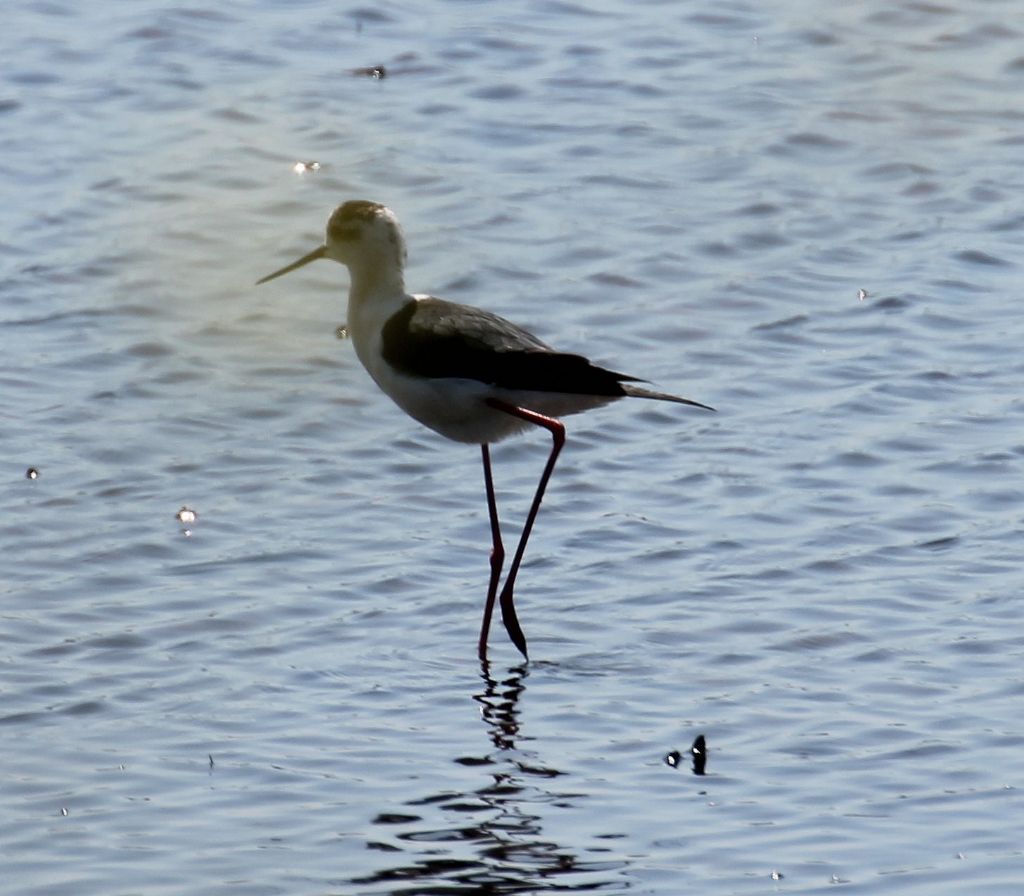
{"x": 434, "y": 338}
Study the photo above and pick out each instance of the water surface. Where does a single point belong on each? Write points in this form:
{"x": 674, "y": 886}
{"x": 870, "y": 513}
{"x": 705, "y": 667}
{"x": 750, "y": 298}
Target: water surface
{"x": 808, "y": 218}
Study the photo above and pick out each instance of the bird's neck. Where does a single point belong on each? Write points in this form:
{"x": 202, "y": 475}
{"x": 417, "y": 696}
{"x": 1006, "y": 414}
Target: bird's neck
{"x": 375, "y": 293}
{"x": 372, "y": 278}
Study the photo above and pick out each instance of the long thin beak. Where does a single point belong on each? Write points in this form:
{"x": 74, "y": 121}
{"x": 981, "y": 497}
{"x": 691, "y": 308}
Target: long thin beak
{"x": 318, "y": 252}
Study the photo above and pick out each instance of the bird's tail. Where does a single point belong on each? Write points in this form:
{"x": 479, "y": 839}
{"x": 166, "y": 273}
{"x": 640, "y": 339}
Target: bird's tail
{"x": 640, "y": 392}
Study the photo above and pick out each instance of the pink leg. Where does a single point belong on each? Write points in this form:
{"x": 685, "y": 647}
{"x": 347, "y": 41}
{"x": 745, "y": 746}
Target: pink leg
{"x": 497, "y": 554}
{"x": 557, "y": 430}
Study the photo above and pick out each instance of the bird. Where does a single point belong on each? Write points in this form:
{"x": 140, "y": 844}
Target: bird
{"x": 462, "y": 371}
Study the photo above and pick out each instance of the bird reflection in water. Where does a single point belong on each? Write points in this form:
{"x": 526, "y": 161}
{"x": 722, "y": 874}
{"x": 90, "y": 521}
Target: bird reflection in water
{"x": 503, "y": 819}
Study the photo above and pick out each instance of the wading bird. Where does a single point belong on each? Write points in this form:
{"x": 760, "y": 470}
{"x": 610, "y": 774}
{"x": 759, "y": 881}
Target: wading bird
{"x": 463, "y": 372}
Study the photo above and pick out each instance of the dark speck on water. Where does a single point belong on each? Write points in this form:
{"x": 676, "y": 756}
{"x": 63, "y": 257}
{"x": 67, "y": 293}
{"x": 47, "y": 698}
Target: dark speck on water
{"x": 374, "y": 71}
{"x": 699, "y": 754}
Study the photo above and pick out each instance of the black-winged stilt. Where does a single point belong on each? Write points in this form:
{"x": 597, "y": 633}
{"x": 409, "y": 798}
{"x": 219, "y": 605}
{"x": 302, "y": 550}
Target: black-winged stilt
{"x": 463, "y": 372}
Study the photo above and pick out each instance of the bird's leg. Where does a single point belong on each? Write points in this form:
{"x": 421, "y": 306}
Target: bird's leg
{"x": 557, "y": 430}
{"x": 497, "y": 554}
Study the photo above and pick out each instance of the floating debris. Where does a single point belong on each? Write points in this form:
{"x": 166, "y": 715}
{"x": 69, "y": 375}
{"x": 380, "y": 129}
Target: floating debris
{"x": 699, "y": 752}
{"x": 185, "y": 516}
{"x": 377, "y": 72}
{"x": 341, "y": 332}
{"x": 862, "y": 294}
{"x": 310, "y": 167}
{"x": 210, "y": 757}
{"x": 776, "y": 875}
{"x": 31, "y": 473}
{"x": 64, "y": 811}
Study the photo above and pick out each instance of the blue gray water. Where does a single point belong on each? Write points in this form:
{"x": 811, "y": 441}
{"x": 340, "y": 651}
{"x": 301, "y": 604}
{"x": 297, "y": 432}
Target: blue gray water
{"x": 808, "y": 216}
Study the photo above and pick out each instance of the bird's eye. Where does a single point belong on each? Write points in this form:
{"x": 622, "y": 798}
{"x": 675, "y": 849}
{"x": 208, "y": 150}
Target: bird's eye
{"x": 345, "y": 233}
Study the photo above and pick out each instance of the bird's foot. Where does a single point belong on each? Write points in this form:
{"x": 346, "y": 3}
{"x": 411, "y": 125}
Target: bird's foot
{"x": 508, "y": 616}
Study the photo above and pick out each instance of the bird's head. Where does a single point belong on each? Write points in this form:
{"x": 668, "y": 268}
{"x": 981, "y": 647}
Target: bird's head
{"x": 365, "y": 236}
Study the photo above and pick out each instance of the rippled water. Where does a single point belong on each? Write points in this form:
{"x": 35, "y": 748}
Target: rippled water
{"x": 809, "y": 218}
